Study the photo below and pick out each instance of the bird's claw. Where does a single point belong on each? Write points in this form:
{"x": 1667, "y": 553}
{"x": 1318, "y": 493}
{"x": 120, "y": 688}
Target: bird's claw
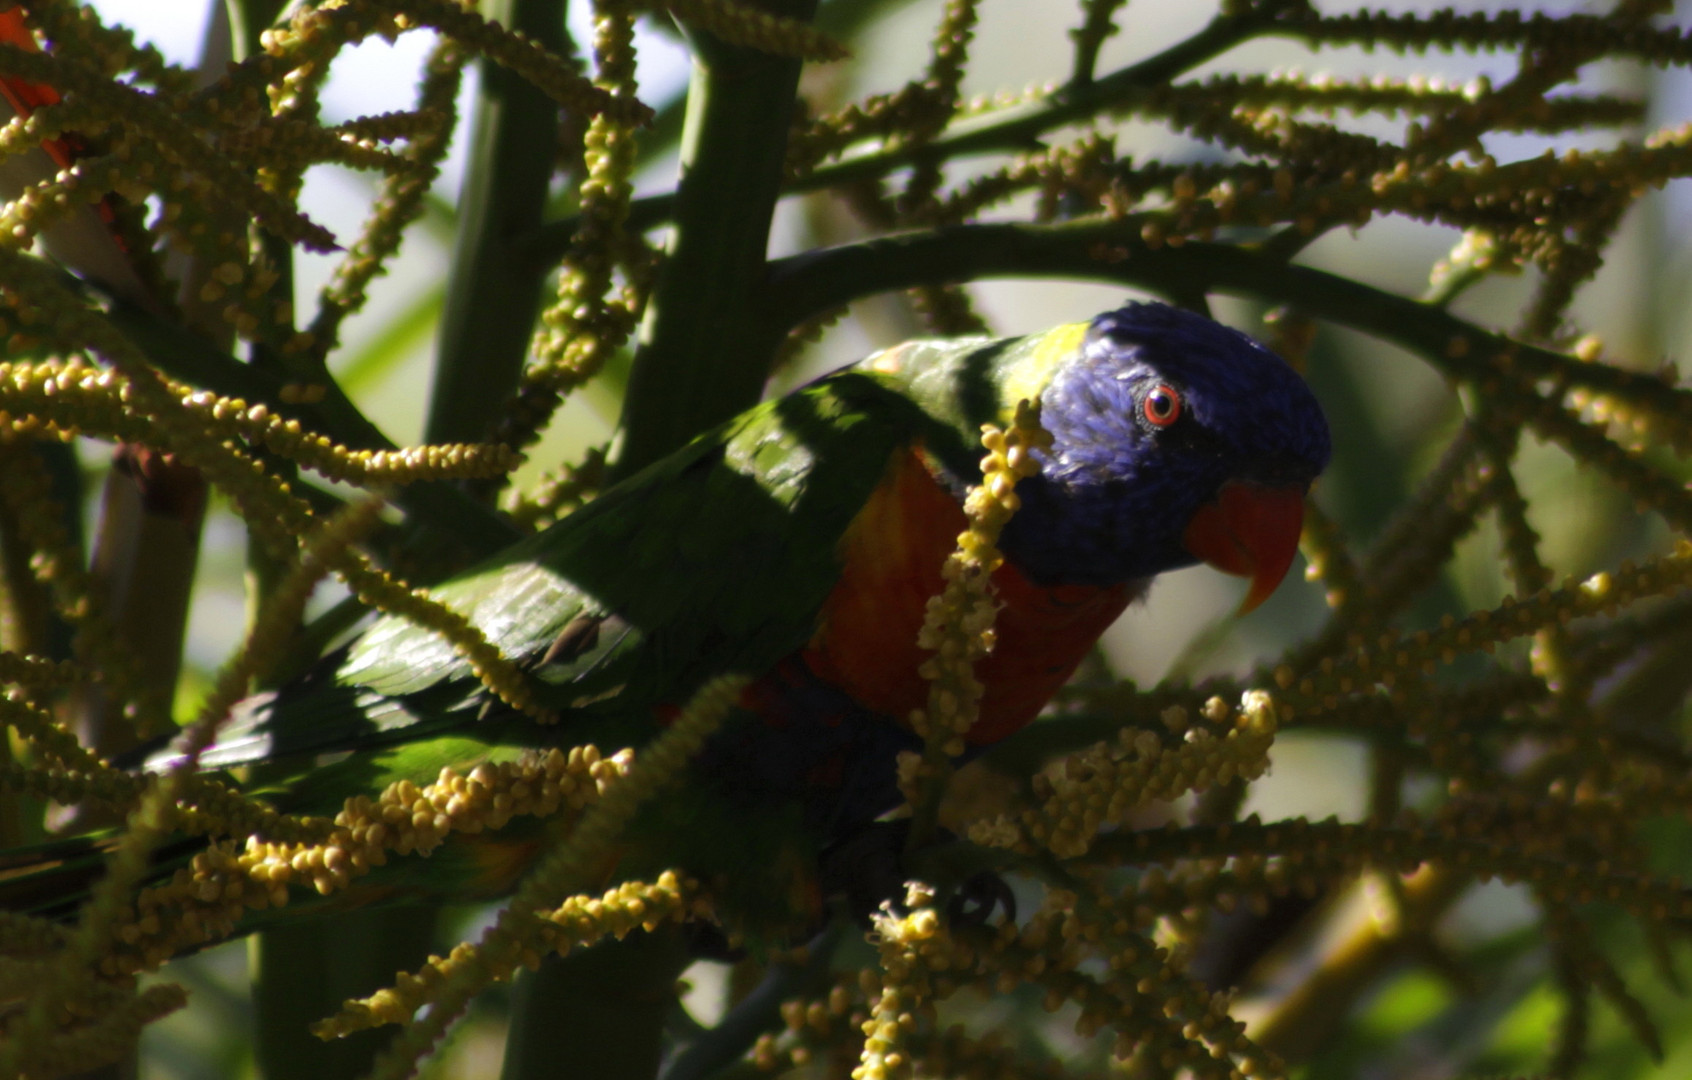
{"x": 870, "y": 869}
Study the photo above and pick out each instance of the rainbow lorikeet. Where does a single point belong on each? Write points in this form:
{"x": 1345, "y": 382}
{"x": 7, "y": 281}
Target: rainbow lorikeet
{"x": 799, "y": 543}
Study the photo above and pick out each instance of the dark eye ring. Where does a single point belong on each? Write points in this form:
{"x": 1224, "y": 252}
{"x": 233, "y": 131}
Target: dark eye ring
{"x": 1162, "y": 405}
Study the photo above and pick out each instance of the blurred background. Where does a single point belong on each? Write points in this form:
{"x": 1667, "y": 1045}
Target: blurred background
{"x": 1387, "y": 409}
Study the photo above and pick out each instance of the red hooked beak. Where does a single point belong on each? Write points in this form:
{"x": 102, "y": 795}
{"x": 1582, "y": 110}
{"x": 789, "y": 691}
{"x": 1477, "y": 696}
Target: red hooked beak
{"x": 1249, "y": 531}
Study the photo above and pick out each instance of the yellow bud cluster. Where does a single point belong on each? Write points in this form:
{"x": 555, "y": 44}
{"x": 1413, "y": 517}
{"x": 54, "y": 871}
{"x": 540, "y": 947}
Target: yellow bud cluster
{"x": 294, "y": 144}
{"x": 1302, "y": 855}
{"x": 279, "y": 616}
{"x": 1010, "y": 458}
{"x": 209, "y": 806}
{"x": 99, "y": 787}
{"x": 1650, "y": 488}
{"x": 206, "y": 899}
{"x": 557, "y": 493}
{"x": 1060, "y": 173}
{"x": 585, "y": 325}
{"x": 1102, "y": 785}
{"x": 398, "y": 1004}
{"x": 1328, "y": 561}
{"x": 949, "y": 53}
{"x": 171, "y": 139}
{"x": 286, "y": 436}
{"x": 54, "y": 744}
{"x": 814, "y": 1024}
{"x": 38, "y": 206}
{"x": 582, "y": 920}
{"x": 39, "y": 671}
{"x": 28, "y": 936}
{"x": 1360, "y": 177}
{"x": 1392, "y": 657}
{"x": 517, "y": 935}
{"x": 910, "y": 945}
{"x": 26, "y": 490}
{"x": 398, "y": 203}
{"x": 958, "y": 624}
{"x": 1635, "y": 427}
{"x": 387, "y": 127}
{"x": 69, "y": 398}
{"x": 833, "y": 133}
{"x": 1139, "y": 994}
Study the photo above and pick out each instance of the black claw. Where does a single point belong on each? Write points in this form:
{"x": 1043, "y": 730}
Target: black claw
{"x": 870, "y": 869}
{"x": 980, "y": 896}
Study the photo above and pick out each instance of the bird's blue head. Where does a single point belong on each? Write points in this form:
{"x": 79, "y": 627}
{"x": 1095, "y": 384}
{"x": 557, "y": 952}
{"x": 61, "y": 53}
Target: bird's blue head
{"x": 1176, "y": 440}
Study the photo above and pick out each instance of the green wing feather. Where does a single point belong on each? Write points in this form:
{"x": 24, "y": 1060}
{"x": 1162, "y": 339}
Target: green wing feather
{"x": 715, "y": 559}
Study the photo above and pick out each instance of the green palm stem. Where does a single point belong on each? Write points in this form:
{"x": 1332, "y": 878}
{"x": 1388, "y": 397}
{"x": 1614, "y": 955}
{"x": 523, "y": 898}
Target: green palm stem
{"x": 494, "y": 289}
{"x": 599, "y": 1012}
{"x": 300, "y": 974}
{"x": 704, "y": 351}
{"x": 808, "y": 284}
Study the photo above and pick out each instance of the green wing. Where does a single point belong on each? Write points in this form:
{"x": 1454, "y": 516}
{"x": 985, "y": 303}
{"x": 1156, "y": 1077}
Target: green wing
{"x": 716, "y": 559}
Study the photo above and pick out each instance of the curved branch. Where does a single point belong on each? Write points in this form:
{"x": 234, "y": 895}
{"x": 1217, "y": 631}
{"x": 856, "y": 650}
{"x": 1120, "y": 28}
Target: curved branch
{"x": 1112, "y": 251}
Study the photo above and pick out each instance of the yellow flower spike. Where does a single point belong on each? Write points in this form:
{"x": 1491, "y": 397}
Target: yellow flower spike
{"x": 472, "y": 967}
{"x": 903, "y": 983}
{"x": 172, "y": 137}
{"x": 401, "y": 199}
{"x": 558, "y": 492}
{"x": 1394, "y": 658}
{"x": 1104, "y": 784}
{"x": 958, "y": 624}
{"x": 585, "y": 326}
{"x": 191, "y": 910}
{"x": 283, "y": 436}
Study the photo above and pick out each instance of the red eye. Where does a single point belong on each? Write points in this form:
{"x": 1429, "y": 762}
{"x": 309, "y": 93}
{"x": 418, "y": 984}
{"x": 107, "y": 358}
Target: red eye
{"x": 1163, "y": 405}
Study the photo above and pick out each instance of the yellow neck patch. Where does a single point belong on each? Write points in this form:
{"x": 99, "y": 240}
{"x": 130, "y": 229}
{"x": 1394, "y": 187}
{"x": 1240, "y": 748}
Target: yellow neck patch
{"x": 1028, "y": 377}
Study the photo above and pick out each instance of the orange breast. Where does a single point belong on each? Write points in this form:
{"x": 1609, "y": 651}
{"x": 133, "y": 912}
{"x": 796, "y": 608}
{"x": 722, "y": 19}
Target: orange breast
{"x": 866, "y": 641}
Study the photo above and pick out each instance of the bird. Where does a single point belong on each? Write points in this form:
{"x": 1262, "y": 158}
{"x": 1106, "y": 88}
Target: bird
{"x": 798, "y": 544}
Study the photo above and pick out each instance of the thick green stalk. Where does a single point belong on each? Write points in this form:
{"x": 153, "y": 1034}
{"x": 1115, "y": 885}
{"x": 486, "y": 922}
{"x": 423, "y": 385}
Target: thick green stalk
{"x": 303, "y": 973}
{"x": 599, "y": 1012}
{"x": 704, "y": 353}
{"x": 493, "y": 291}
